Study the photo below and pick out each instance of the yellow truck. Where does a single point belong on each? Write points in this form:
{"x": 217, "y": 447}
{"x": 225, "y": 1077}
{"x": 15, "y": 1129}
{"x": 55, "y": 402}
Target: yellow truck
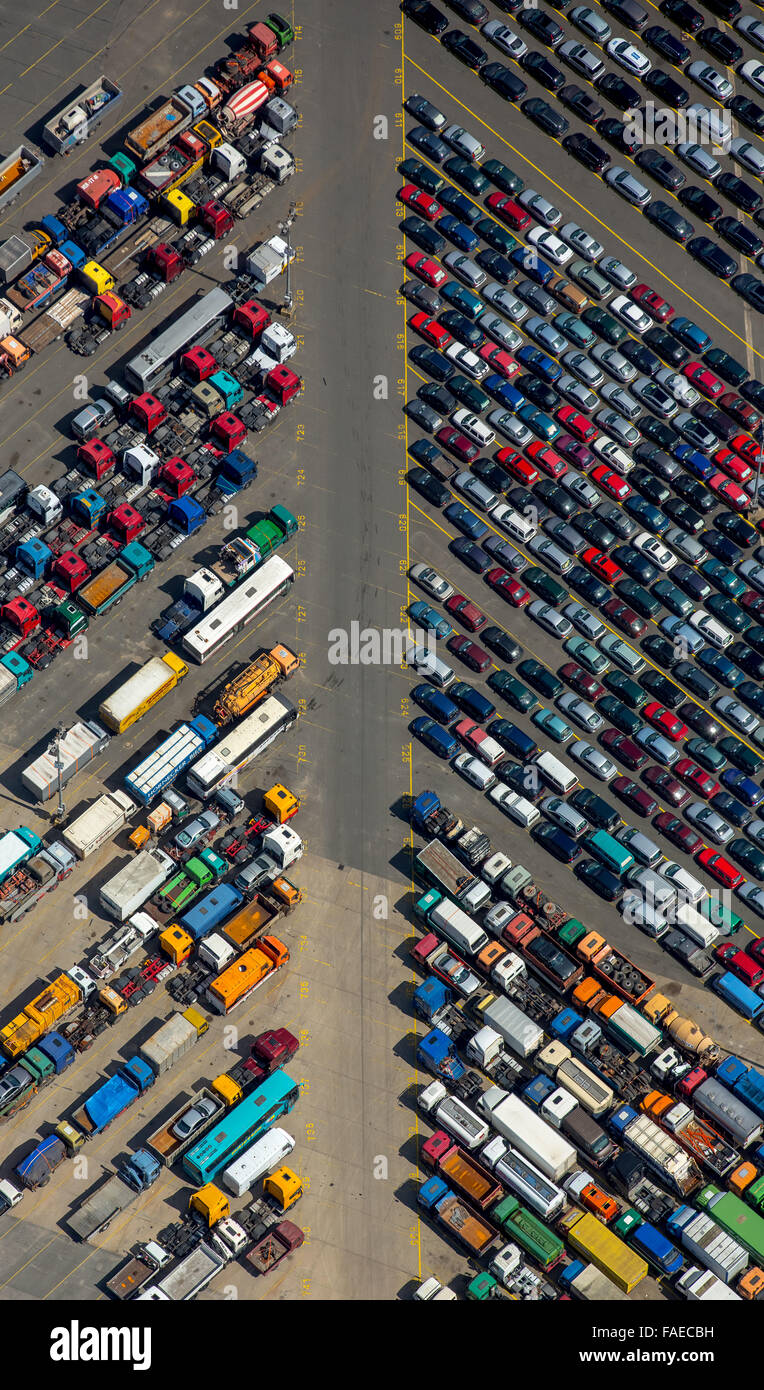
{"x": 39, "y": 1016}
{"x": 254, "y": 683}
{"x": 612, "y": 1257}
{"x": 130, "y": 701}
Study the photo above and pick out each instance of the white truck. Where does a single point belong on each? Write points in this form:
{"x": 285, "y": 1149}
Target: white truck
{"x": 11, "y": 319}
{"x": 99, "y": 823}
{"x": 263, "y": 1157}
{"x": 700, "y": 1285}
{"x": 188, "y": 1277}
{"x": 122, "y": 945}
{"x": 63, "y": 758}
{"x": 204, "y": 589}
{"x": 43, "y": 503}
{"x": 269, "y": 260}
{"x": 276, "y": 346}
{"x": 519, "y": 1031}
{"x": 709, "y": 1243}
{"x": 527, "y": 1132}
{"x": 135, "y": 883}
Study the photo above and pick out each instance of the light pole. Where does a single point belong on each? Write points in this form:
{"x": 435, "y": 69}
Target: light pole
{"x": 285, "y": 228}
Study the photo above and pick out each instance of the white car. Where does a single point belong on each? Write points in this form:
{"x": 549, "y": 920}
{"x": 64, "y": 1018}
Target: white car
{"x": 474, "y": 772}
{"x": 549, "y": 245}
{"x": 735, "y": 713}
{"x": 677, "y": 386}
{"x": 750, "y": 156}
{"x": 577, "y": 710}
{"x": 654, "y": 550}
{"x": 715, "y": 83}
{"x": 549, "y": 619}
{"x": 593, "y": 760}
{"x": 752, "y": 28}
{"x": 617, "y": 273}
{"x": 467, "y": 361}
{"x": 465, "y": 144}
{"x": 474, "y": 428}
{"x": 540, "y": 208}
{"x": 628, "y": 56}
{"x": 612, "y": 454}
{"x": 477, "y": 491}
{"x": 753, "y": 73}
{"x": 714, "y": 632}
{"x": 504, "y": 38}
{"x": 689, "y": 887}
{"x": 465, "y": 270}
{"x": 630, "y": 313}
{"x": 582, "y": 242}
{"x": 510, "y": 520}
{"x": 584, "y": 621}
{"x": 434, "y": 585}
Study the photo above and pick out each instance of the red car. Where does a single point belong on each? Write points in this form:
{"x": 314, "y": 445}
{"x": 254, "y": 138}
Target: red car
{"x": 429, "y": 329}
{"x": 742, "y": 412}
{"x": 499, "y": 360}
{"x": 624, "y": 749}
{"x": 547, "y": 459}
{"x": 572, "y": 420}
{"x": 667, "y": 787}
{"x": 509, "y": 211}
{"x": 419, "y": 201}
{"x": 681, "y": 835}
{"x": 519, "y": 467}
{"x": 509, "y": 588}
{"x": 756, "y": 949}
{"x": 612, "y": 483}
{"x": 636, "y": 798}
{"x": 695, "y": 777}
{"x": 624, "y": 617}
{"x": 741, "y": 963}
{"x": 730, "y": 492}
{"x": 653, "y": 304}
{"x": 737, "y": 468}
{"x": 668, "y": 723}
{"x": 703, "y": 380}
{"x": 720, "y": 868}
{"x": 456, "y": 443}
{"x": 601, "y": 565}
{"x": 467, "y": 612}
{"x": 745, "y": 446}
{"x": 470, "y": 653}
{"x": 426, "y": 268}
{"x": 581, "y": 681}
{"x": 753, "y": 603}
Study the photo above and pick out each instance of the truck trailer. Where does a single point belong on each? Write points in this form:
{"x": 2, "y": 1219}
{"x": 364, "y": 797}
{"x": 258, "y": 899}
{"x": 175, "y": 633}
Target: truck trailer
{"x": 99, "y": 823}
{"x": 156, "y": 678}
{"x": 63, "y": 758}
{"x": 134, "y": 884}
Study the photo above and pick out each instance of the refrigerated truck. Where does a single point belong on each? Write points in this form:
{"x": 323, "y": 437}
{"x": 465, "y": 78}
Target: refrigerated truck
{"x": 137, "y": 695}
{"x": 134, "y": 884}
{"x": 527, "y": 1132}
{"x": 63, "y": 758}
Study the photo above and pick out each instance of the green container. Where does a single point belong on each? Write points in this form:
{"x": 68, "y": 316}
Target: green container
{"x": 571, "y": 932}
{"x": 481, "y": 1287}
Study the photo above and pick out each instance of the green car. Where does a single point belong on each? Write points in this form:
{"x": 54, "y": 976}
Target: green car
{"x": 586, "y": 654}
{"x": 496, "y": 236}
{"x": 748, "y": 856}
{"x": 551, "y": 724}
{"x": 728, "y": 613}
{"x": 503, "y": 177}
{"x": 619, "y": 715}
{"x": 605, "y": 325}
{"x": 513, "y": 691}
{"x": 467, "y": 393}
{"x": 628, "y": 690}
{"x": 542, "y": 584}
{"x": 706, "y": 754}
{"x": 415, "y": 172}
{"x": 574, "y": 329}
{"x": 740, "y": 754}
{"x": 466, "y": 175}
{"x": 540, "y": 678}
{"x": 681, "y": 605}
{"x": 641, "y": 600}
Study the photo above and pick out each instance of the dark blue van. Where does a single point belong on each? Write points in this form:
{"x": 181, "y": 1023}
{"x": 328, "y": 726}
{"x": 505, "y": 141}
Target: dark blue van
{"x": 439, "y": 741}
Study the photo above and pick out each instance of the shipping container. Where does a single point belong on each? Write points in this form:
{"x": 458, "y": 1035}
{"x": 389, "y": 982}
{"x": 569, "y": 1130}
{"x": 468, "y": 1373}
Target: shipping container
{"x": 613, "y": 1258}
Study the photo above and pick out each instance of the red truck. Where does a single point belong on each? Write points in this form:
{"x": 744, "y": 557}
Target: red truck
{"x": 461, "y": 1171}
{"x": 97, "y": 458}
{"x": 197, "y": 364}
{"x": 147, "y": 411}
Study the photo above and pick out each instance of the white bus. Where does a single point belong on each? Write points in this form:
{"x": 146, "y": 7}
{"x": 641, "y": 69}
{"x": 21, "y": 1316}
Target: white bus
{"x": 196, "y": 326}
{"x": 268, "y": 582}
{"x": 241, "y": 745}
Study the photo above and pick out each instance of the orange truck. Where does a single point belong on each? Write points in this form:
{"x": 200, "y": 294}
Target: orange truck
{"x": 254, "y": 683}
{"x": 698, "y": 1138}
{"x": 614, "y": 968}
{"x": 461, "y": 1171}
{"x": 239, "y": 980}
{"x": 39, "y": 1016}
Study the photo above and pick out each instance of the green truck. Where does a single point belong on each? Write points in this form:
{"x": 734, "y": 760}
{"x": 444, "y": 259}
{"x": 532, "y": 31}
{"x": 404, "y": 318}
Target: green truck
{"x": 198, "y": 873}
{"x": 277, "y": 527}
{"x": 111, "y": 584}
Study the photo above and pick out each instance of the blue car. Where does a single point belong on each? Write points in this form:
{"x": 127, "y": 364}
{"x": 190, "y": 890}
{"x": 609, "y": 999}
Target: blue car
{"x": 438, "y": 740}
{"x": 651, "y": 516}
{"x": 504, "y": 392}
{"x": 458, "y": 232}
{"x": 731, "y": 809}
{"x": 462, "y": 299}
{"x": 540, "y": 272}
{"x": 694, "y": 461}
{"x": 461, "y": 206}
{"x": 537, "y": 362}
{"x": 425, "y": 616}
{"x": 749, "y": 791}
{"x": 689, "y": 333}
{"x": 471, "y": 702}
{"x": 435, "y": 703}
{"x": 466, "y": 521}
{"x": 720, "y": 667}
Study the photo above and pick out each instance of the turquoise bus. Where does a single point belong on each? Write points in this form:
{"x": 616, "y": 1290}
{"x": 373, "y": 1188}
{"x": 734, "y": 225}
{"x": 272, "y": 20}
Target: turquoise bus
{"x": 241, "y": 1127}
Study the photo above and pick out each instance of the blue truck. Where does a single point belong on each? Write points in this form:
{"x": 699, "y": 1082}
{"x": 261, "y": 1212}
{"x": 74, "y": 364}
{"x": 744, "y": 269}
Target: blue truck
{"x": 237, "y": 471}
{"x": 186, "y": 514}
{"x": 745, "y": 1082}
{"x": 175, "y": 753}
{"x": 433, "y": 820}
{"x": 215, "y": 907}
{"x": 34, "y": 1171}
{"x": 119, "y": 1190}
{"x": 649, "y": 1242}
{"x": 114, "y": 1096}
{"x": 743, "y": 1000}
{"x": 436, "y": 1053}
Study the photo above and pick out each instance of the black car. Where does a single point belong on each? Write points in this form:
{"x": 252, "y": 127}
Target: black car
{"x": 503, "y": 177}
{"x": 542, "y": 680}
{"x": 540, "y": 67}
{"x": 458, "y": 324}
{"x": 652, "y": 489}
{"x": 587, "y": 152}
{"x": 618, "y": 91}
{"x": 428, "y": 486}
{"x": 750, "y": 289}
{"x": 495, "y": 235}
{"x": 616, "y": 133}
{"x": 492, "y": 474}
{"x": 545, "y": 116}
{"x": 725, "y": 9}
{"x": 471, "y": 555}
{"x": 667, "y": 348}
{"x": 731, "y": 809}
{"x": 501, "y": 643}
{"x": 623, "y": 525}
{"x": 581, "y": 103}
{"x": 703, "y": 249}
{"x": 503, "y": 81}
{"x": 725, "y": 366}
{"x": 465, "y": 49}
{"x": 748, "y": 113}
{"x": 748, "y": 660}
{"x": 432, "y": 20}
{"x": 666, "y": 44}
{"x": 670, "y": 221}
{"x": 662, "y": 85}
{"x": 691, "y": 582}
{"x": 460, "y": 205}
{"x": 596, "y": 532}
{"x": 423, "y": 297}
{"x": 596, "y": 809}
{"x": 661, "y": 688}
{"x": 640, "y": 357}
{"x": 437, "y": 396}
{"x": 721, "y": 45}
{"x": 657, "y": 460}
{"x": 752, "y": 694}
{"x": 555, "y": 497}
{"x": 628, "y": 12}
{"x": 424, "y": 235}
{"x": 635, "y": 564}
{"x": 662, "y": 170}
{"x": 753, "y": 391}
{"x": 699, "y": 720}
{"x": 739, "y": 192}
{"x": 434, "y": 363}
{"x": 738, "y": 530}
{"x": 541, "y": 26}
{"x": 601, "y": 881}
{"x": 474, "y": 11}
{"x": 497, "y": 266}
{"x": 426, "y": 453}
{"x": 696, "y": 681}
{"x": 588, "y": 586}
{"x": 739, "y": 236}
{"x": 658, "y": 432}
{"x": 660, "y": 650}
{"x": 696, "y": 494}
{"x": 701, "y": 203}
{"x": 722, "y": 547}
{"x": 686, "y": 19}
{"x": 536, "y": 390}
{"x": 682, "y": 514}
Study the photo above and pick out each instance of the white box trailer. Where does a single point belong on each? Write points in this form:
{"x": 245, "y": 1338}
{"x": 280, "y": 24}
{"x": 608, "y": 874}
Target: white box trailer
{"x": 254, "y": 1163}
{"x": 99, "y": 823}
{"x": 78, "y": 746}
{"x": 129, "y": 889}
{"x": 594, "y": 1287}
{"x": 709, "y": 1243}
{"x": 516, "y": 1028}
{"x": 700, "y": 1285}
{"x": 190, "y": 1275}
{"x": 527, "y": 1132}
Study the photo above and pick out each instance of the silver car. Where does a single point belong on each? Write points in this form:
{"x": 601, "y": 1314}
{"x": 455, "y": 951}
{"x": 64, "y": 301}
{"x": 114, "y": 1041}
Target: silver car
{"x": 567, "y": 817}
{"x": 752, "y": 896}
{"x": 511, "y": 428}
{"x": 655, "y": 398}
{"x": 194, "y": 1117}
{"x": 478, "y": 492}
{"x": 593, "y": 760}
{"x": 658, "y": 747}
{"x": 618, "y": 427}
{"x": 465, "y": 270}
{"x": 583, "y": 242}
{"x": 547, "y": 336}
{"x": 501, "y": 332}
{"x": 621, "y": 400}
{"x": 465, "y": 144}
{"x": 750, "y": 156}
{"x": 549, "y": 619}
{"x": 584, "y": 621}
{"x": 580, "y": 489}
{"x": 630, "y": 188}
{"x": 614, "y": 362}
{"x": 710, "y": 822}
{"x": 712, "y": 81}
{"x": 736, "y": 714}
{"x": 618, "y": 273}
{"x": 577, "y": 710}
{"x": 581, "y": 59}
{"x": 699, "y": 159}
{"x": 433, "y": 583}
{"x": 540, "y": 207}
{"x": 578, "y": 394}
{"x": 629, "y": 57}
{"x": 591, "y": 23}
{"x": 582, "y": 366}
{"x": 504, "y": 299}
{"x": 504, "y": 38}
{"x": 752, "y": 28}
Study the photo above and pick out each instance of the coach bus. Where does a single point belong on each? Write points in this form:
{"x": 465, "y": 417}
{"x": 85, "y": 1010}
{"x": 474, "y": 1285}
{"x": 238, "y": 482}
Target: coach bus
{"x": 268, "y": 582}
{"x": 241, "y": 746}
{"x": 241, "y": 1127}
{"x": 196, "y": 326}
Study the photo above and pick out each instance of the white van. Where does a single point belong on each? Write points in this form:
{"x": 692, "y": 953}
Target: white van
{"x": 639, "y": 913}
{"x": 714, "y": 632}
{"x": 254, "y": 1163}
{"x": 560, "y": 778}
{"x": 513, "y": 523}
{"x": 431, "y": 667}
{"x": 519, "y": 809}
{"x": 432, "y": 1291}
{"x": 458, "y": 928}
{"x": 696, "y": 926}
{"x": 656, "y": 891}
{"x": 688, "y": 887}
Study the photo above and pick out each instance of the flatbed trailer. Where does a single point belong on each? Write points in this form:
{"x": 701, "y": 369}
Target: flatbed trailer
{"x": 165, "y": 1145}
{"x": 76, "y": 121}
{"x": 158, "y": 229}
{"x": 55, "y": 323}
{"x": 17, "y": 172}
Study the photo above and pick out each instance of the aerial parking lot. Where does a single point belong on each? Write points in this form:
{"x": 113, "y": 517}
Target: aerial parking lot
{"x": 381, "y": 650}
